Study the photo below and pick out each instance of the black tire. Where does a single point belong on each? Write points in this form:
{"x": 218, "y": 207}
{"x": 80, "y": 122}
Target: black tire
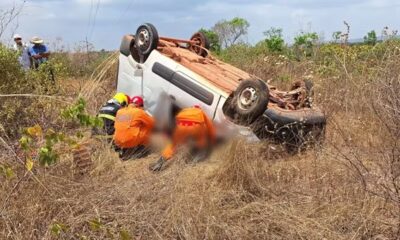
{"x": 133, "y": 50}
{"x": 203, "y": 43}
{"x": 250, "y": 100}
{"x": 146, "y": 39}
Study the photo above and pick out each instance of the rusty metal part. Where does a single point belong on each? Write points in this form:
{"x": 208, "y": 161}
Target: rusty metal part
{"x": 196, "y": 44}
{"x": 82, "y": 162}
{"x": 176, "y": 40}
{"x": 225, "y": 76}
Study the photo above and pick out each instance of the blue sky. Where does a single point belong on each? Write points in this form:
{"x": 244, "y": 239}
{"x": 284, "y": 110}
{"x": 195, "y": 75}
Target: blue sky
{"x": 104, "y": 22}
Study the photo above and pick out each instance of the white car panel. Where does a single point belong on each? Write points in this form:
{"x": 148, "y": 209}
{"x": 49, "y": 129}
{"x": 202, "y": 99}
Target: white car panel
{"x": 128, "y": 83}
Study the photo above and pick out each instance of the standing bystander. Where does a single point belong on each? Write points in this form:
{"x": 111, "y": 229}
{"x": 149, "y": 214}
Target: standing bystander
{"x": 23, "y": 52}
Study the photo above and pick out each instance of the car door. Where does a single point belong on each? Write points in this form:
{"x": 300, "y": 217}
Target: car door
{"x": 189, "y": 91}
{"x": 129, "y": 76}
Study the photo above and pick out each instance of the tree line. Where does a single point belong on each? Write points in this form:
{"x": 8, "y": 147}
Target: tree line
{"x": 226, "y": 33}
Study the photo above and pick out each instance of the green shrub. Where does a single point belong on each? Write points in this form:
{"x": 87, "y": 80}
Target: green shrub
{"x": 370, "y": 38}
{"x": 10, "y": 71}
{"x": 21, "y": 111}
{"x": 304, "y": 44}
{"x": 274, "y": 40}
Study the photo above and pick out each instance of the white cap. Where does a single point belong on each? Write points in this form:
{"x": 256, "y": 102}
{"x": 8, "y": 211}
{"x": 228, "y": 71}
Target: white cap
{"x": 17, "y": 36}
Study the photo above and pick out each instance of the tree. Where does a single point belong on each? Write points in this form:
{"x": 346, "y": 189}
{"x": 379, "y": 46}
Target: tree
{"x": 9, "y": 16}
{"x": 274, "y": 40}
{"x": 213, "y": 38}
{"x": 336, "y": 36}
{"x": 304, "y": 43}
{"x": 306, "y": 39}
{"x": 229, "y": 32}
{"x": 370, "y": 38}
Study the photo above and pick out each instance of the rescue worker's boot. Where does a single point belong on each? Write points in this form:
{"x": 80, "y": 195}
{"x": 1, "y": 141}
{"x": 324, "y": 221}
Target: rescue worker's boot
{"x": 200, "y": 154}
{"x": 157, "y": 166}
{"x": 134, "y": 153}
{"x": 122, "y": 154}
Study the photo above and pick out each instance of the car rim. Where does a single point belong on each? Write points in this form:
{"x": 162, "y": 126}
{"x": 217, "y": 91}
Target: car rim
{"x": 248, "y": 98}
{"x": 144, "y": 39}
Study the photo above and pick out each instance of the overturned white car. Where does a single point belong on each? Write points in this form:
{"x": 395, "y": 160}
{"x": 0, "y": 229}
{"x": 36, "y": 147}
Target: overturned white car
{"x": 183, "y": 71}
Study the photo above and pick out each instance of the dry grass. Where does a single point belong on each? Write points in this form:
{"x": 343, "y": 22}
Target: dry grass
{"x": 236, "y": 194}
{"x": 342, "y": 189}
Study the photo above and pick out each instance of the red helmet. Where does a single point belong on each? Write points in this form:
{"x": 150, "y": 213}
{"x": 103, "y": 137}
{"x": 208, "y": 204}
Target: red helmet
{"x": 137, "y": 100}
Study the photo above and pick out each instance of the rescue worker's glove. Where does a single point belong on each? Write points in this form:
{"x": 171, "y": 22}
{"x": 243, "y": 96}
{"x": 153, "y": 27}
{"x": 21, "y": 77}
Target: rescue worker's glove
{"x": 157, "y": 166}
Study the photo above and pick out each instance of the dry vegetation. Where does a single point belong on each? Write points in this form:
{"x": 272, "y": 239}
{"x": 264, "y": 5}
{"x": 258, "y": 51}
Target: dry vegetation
{"x": 347, "y": 187}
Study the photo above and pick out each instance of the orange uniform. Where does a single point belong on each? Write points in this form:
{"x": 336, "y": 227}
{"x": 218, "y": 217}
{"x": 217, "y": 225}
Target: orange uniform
{"x": 192, "y": 124}
{"x": 133, "y": 127}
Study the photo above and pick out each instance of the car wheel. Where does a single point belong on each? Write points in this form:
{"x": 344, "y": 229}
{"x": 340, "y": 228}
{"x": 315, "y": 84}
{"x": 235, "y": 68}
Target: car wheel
{"x": 202, "y": 43}
{"x": 250, "y": 100}
{"x": 146, "y": 39}
{"x": 134, "y": 51}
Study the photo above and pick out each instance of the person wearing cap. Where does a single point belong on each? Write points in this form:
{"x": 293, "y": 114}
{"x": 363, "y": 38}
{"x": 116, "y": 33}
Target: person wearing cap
{"x": 109, "y": 110}
{"x": 193, "y": 128}
{"x": 133, "y": 127}
{"x": 38, "y": 52}
{"x": 23, "y": 52}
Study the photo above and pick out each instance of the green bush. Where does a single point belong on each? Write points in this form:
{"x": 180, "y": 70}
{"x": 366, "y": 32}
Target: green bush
{"x": 10, "y": 71}
{"x": 304, "y": 44}
{"x": 20, "y": 111}
{"x": 371, "y": 38}
{"x": 274, "y": 40}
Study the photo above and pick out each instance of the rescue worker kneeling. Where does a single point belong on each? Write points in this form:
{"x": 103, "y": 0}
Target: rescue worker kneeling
{"x": 133, "y": 127}
{"x": 109, "y": 110}
{"x": 192, "y": 126}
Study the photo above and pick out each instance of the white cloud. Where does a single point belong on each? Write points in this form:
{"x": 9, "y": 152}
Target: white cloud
{"x": 69, "y": 19}
{"x": 94, "y": 2}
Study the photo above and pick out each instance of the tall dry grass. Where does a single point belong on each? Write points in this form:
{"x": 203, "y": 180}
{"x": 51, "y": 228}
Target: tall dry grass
{"x": 236, "y": 194}
{"x": 346, "y": 188}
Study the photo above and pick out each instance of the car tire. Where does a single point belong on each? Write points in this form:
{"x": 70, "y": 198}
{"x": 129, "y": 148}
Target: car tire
{"x": 203, "y": 41}
{"x": 146, "y": 39}
{"x": 133, "y": 50}
{"x": 250, "y": 100}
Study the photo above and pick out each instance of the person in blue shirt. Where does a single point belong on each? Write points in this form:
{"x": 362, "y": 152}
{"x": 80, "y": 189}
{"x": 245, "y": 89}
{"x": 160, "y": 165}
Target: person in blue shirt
{"x": 38, "y": 52}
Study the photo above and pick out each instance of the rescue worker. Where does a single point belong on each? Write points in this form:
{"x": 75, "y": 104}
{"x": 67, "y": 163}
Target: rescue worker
{"x": 109, "y": 110}
{"x": 193, "y": 127}
{"x": 133, "y": 127}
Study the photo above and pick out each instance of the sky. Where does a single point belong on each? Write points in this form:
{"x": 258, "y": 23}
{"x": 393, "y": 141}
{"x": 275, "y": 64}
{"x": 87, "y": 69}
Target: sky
{"x": 104, "y": 22}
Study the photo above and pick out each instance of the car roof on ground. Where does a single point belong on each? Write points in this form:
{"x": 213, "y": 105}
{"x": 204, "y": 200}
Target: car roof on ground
{"x": 223, "y": 75}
